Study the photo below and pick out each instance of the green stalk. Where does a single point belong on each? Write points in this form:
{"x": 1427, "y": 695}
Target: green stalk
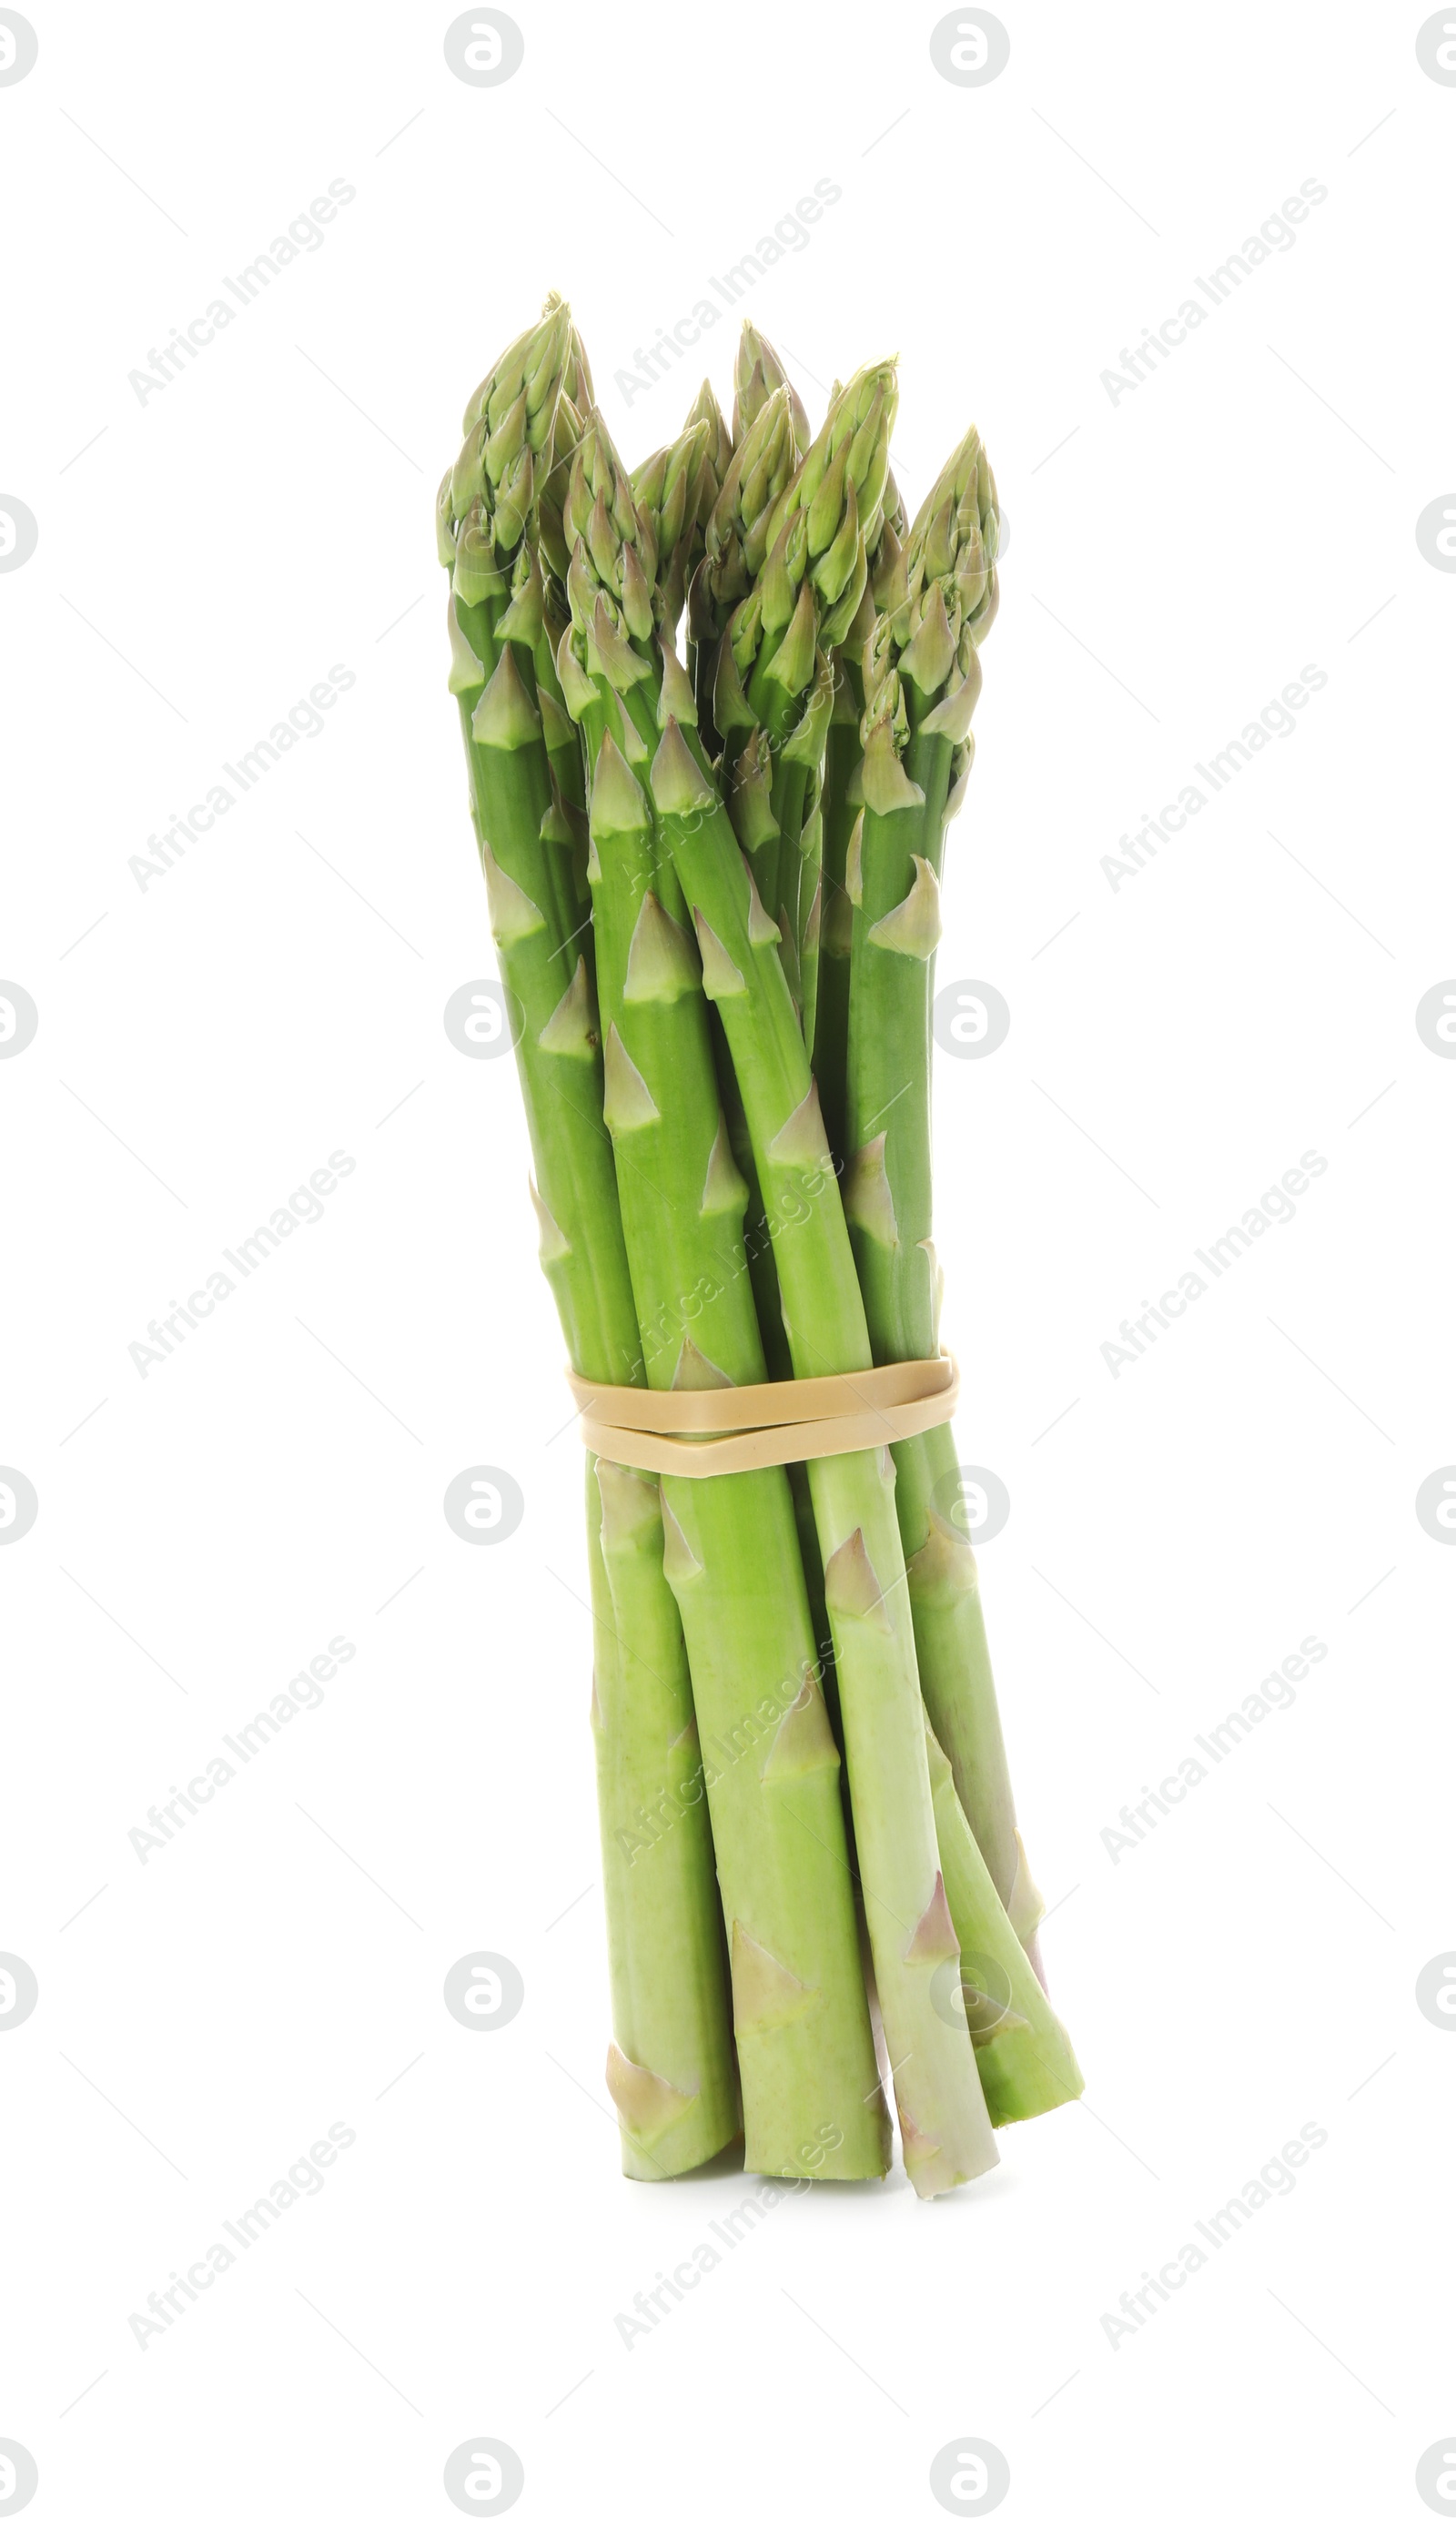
{"x": 656, "y": 1858}
{"x": 533, "y": 628}
{"x": 613, "y": 670}
{"x": 896, "y": 901}
{"x": 1022, "y": 2050}
{"x": 757, "y": 1234}
{"x": 760, "y": 378}
{"x": 671, "y": 2073}
{"x": 613, "y": 613}
{"x": 669, "y": 1991}
{"x": 810, "y": 2088}
{"x": 831, "y": 1024}
{"x": 922, "y": 676}
{"x": 839, "y": 806}
{"x": 540, "y": 621}
{"x": 941, "y": 2112}
{"x": 824, "y": 925}
{"x": 758, "y": 1239}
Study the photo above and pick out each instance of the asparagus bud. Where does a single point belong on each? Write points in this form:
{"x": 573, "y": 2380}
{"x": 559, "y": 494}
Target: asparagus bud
{"x": 577, "y": 378}
{"x": 936, "y": 600}
{"x": 508, "y": 426}
{"x": 759, "y": 373}
{"x": 818, "y": 528}
{"x": 668, "y": 489}
{"x": 734, "y": 542}
{"x": 717, "y": 448}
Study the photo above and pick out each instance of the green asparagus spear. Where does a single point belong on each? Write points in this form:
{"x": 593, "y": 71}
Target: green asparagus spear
{"x": 800, "y": 2017}
{"x": 923, "y": 675}
{"x": 943, "y": 2117}
{"x": 672, "y": 2070}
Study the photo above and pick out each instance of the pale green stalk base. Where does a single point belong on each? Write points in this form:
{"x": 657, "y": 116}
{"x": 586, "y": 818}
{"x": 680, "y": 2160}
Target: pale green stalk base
{"x": 1022, "y": 2050}
{"x": 812, "y": 2103}
{"x": 656, "y": 1850}
{"x": 954, "y": 1662}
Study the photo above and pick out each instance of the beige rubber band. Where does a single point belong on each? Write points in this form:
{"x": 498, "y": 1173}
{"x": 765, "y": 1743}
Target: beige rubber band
{"x": 783, "y": 1423}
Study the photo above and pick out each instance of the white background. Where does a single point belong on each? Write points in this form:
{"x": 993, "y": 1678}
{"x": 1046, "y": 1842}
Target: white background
{"x": 205, "y": 1043}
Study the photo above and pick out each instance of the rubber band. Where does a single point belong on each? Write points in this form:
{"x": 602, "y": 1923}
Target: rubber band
{"x": 785, "y": 1422}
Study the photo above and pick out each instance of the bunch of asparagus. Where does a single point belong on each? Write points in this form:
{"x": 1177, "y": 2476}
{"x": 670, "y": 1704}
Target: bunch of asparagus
{"x": 713, "y": 877}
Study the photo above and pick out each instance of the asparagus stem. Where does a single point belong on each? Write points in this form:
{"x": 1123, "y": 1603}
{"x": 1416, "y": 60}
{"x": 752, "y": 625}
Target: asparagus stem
{"x": 839, "y": 806}
{"x": 831, "y": 1024}
{"x": 801, "y": 2018}
{"x": 732, "y": 1555}
{"x": 675, "y": 2095}
{"x": 757, "y": 1239}
{"x": 1022, "y": 2050}
{"x": 943, "y": 2116}
{"x": 921, "y": 676}
{"x": 825, "y": 935}
{"x": 558, "y": 1059}
{"x": 759, "y": 376}
{"x": 664, "y": 1934}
